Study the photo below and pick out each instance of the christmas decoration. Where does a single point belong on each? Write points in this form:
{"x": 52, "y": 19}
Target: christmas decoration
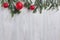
{"x": 19, "y": 5}
{"x": 15, "y": 6}
{"x": 5, "y": 5}
{"x": 32, "y": 7}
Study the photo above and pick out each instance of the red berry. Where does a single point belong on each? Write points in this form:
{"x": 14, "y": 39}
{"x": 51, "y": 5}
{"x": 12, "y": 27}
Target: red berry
{"x": 32, "y": 7}
{"x": 19, "y": 5}
{"x": 5, "y": 5}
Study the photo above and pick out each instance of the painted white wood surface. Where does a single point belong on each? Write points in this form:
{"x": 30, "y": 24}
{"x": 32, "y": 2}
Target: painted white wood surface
{"x": 29, "y": 26}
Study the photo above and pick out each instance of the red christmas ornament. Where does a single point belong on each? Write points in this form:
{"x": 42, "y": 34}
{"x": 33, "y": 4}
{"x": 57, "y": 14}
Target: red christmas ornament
{"x": 32, "y": 7}
{"x": 5, "y": 5}
{"x": 19, "y": 5}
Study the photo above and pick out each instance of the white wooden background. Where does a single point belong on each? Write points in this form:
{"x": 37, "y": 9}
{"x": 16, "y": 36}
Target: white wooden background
{"x": 29, "y": 26}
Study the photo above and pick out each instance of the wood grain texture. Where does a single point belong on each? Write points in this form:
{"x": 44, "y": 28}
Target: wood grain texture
{"x": 29, "y": 26}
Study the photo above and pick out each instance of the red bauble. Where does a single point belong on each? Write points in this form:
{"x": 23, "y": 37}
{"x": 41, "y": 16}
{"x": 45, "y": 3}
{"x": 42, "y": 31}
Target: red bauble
{"x": 5, "y": 5}
{"x": 32, "y": 7}
{"x": 19, "y": 5}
